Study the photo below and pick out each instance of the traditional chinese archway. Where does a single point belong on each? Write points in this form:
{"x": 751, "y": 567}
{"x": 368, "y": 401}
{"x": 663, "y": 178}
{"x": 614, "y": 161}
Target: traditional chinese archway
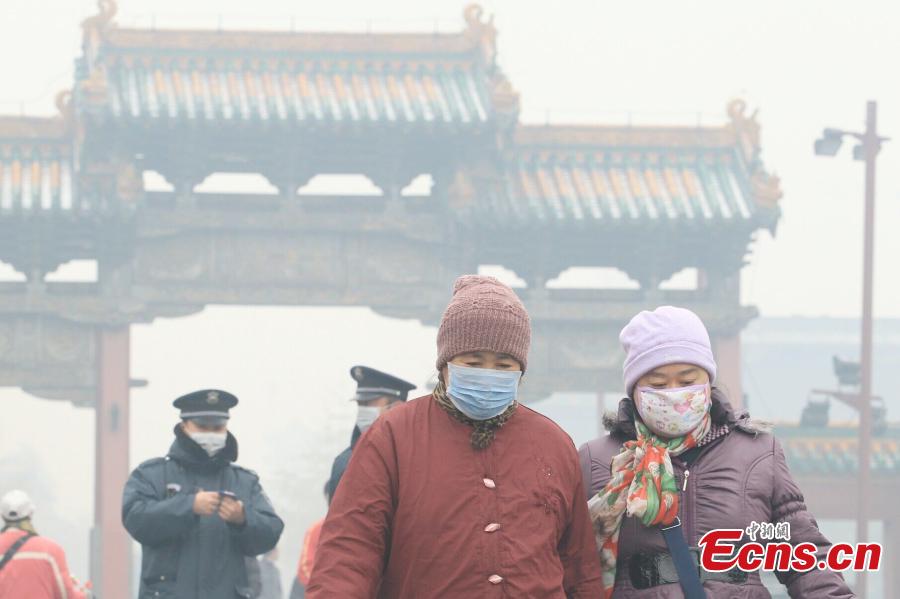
{"x": 187, "y": 103}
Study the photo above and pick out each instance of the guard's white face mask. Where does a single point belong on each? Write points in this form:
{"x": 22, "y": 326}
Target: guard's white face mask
{"x": 366, "y": 416}
{"x": 212, "y": 443}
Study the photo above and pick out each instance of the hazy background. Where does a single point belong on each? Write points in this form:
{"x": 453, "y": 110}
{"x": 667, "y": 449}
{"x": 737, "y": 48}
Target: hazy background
{"x": 804, "y": 64}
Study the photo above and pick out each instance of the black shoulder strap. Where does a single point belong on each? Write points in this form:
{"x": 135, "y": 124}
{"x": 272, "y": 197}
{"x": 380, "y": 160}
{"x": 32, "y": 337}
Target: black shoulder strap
{"x": 688, "y": 572}
{"x": 14, "y": 548}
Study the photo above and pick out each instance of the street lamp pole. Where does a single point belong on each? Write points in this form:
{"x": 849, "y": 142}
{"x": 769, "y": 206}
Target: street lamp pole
{"x": 867, "y": 150}
{"x": 870, "y": 146}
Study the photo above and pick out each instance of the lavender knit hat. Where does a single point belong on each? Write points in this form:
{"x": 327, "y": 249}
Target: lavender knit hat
{"x": 484, "y": 315}
{"x": 668, "y": 335}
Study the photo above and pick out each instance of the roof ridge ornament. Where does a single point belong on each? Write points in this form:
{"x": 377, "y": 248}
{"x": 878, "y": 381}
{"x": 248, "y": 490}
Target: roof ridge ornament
{"x": 63, "y": 102}
{"x": 94, "y": 30}
{"x": 746, "y": 129}
{"x": 766, "y": 188}
{"x": 505, "y": 100}
{"x": 103, "y": 19}
{"x": 482, "y": 32}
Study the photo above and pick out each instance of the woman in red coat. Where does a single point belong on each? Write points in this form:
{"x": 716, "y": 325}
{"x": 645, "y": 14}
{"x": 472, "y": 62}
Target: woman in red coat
{"x": 463, "y": 493}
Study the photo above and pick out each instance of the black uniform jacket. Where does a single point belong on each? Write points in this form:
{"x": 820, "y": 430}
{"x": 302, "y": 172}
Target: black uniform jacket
{"x": 339, "y": 465}
{"x": 186, "y": 556}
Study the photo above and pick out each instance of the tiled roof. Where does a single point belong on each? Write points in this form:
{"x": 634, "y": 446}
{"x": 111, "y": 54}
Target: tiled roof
{"x": 304, "y": 78}
{"x": 835, "y": 451}
{"x": 597, "y": 175}
{"x": 299, "y": 91}
{"x": 573, "y": 186}
{"x": 35, "y": 166}
{"x": 29, "y": 183}
{"x": 565, "y": 176}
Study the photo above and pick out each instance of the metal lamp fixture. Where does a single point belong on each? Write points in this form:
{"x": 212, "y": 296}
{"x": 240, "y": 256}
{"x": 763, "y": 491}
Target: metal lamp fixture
{"x": 829, "y": 143}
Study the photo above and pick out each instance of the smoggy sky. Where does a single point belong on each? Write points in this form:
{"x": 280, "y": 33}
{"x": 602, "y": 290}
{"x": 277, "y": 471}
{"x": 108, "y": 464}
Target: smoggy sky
{"x": 804, "y": 65}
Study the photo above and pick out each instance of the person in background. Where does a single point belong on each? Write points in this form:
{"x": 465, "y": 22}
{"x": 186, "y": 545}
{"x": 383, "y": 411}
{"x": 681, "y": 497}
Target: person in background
{"x": 31, "y": 566}
{"x": 195, "y": 512}
{"x": 464, "y": 493}
{"x": 254, "y": 577}
{"x": 678, "y": 457}
{"x": 376, "y": 393}
{"x": 269, "y": 576}
{"x": 308, "y": 554}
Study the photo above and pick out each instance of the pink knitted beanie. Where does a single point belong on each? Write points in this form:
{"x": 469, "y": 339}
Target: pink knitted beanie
{"x": 484, "y": 315}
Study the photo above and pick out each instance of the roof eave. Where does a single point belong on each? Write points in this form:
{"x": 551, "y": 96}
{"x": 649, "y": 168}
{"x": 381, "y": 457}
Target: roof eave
{"x": 206, "y": 41}
{"x": 587, "y": 136}
{"x": 22, "y": 128}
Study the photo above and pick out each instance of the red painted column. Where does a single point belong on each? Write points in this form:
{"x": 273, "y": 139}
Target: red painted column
{"x": 728, "y": 363}
{"x": 111, "y": 551}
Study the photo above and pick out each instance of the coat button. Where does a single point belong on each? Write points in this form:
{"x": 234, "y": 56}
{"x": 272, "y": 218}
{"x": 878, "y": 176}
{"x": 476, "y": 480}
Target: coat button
{"x": 492, "y": 527}
{"x": 495, "y": 579}
{"x": 489, "y": 483}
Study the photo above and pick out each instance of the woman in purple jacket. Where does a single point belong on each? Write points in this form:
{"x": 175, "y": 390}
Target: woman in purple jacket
{"x": 676, "y": 453}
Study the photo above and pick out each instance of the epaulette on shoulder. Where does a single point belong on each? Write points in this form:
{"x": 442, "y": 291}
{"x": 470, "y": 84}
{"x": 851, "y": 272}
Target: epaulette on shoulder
{"x": 243, "y": 469}
{"x": 154, "y": 462}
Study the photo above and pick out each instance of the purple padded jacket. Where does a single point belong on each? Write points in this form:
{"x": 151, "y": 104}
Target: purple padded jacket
{"x": 735, "y": 479}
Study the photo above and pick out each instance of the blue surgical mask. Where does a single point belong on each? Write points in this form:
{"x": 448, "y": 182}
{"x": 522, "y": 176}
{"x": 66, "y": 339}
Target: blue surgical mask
{"x": 482, "y": 393}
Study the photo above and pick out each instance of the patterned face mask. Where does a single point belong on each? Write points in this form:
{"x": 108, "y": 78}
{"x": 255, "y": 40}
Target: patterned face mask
{"x": 673, "y": 412}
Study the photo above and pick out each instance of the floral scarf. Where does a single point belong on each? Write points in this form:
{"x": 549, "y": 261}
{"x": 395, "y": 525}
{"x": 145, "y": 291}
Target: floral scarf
{"x": 643, "y": 485}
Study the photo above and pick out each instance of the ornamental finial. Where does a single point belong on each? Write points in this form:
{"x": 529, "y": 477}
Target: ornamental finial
{"x": 481, "y": 31}
{"x": 63, "y": 101}
{"x": 746, "y": 127}
{"x": 102, "y": 20}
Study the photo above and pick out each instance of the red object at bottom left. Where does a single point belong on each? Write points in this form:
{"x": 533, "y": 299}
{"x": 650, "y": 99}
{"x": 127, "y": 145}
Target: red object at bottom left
{"x": 38, "y": 570}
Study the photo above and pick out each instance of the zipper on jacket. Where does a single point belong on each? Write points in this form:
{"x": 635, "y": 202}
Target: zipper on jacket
{"x": 689, "y": 509}
{"x": 687, "y": 496}
{"x": 687, "y": 505}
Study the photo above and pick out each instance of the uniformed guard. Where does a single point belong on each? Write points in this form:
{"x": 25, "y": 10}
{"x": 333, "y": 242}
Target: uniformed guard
{"x": 195, "y": 513}
{"x": 376, "y": 392}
